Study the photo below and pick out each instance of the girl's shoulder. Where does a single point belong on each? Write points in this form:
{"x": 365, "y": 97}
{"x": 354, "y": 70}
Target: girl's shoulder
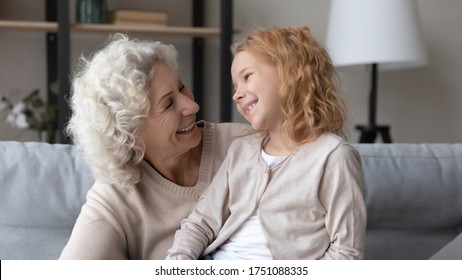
{"x": 329, "y": 143}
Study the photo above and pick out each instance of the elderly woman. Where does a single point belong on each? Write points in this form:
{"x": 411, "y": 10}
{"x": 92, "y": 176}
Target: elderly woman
{"x": 135, "y": 122}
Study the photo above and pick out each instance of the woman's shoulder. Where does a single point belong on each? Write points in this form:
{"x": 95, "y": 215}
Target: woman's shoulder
{"x": 223, "y": 134}
{"x": 106, "y": 194}
{"x": 229, "y": 128}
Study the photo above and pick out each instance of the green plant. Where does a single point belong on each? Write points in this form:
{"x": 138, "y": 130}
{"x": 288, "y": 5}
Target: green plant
{"x": 40, "y": 115}
{"x": 32, "y": 112}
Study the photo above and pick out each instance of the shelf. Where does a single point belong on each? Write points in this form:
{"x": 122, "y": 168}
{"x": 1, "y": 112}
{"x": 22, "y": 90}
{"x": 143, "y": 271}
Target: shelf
{"x": 110, "y": 28}
{"x": 164, "y": 30}
{"x": 59, "y": 34}
{"x": 16, "y": 25}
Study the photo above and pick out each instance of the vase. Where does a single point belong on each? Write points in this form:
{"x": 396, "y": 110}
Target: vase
{"x": 47, "y": 136}
{"x": 91, "y": 11}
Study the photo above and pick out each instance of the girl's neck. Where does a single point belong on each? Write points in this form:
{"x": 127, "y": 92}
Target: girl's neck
{"x": 277, "y": 145}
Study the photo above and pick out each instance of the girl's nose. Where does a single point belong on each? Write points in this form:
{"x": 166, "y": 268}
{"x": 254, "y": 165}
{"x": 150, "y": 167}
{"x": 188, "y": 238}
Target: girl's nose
{"x": 238, "y": 94}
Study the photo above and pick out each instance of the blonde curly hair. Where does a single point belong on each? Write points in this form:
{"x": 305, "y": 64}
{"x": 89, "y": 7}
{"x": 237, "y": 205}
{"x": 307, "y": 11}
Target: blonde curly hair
{"x": 310, "y": 102}
{"x": 110, "y": 101}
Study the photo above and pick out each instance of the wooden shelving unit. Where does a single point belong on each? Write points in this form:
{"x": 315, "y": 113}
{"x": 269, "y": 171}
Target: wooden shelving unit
{"x": 163, "y": 30}
{"x": 110, "y": 28}
{"x": 58, "y": 30}
{"x": 14, "y": 25}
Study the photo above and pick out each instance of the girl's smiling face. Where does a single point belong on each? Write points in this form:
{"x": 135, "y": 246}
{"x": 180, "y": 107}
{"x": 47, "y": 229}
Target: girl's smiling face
{"x": 256, "y": 91}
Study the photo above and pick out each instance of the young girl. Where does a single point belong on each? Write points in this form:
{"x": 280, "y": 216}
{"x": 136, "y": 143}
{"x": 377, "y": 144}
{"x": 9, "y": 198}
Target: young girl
{"x": 294, "y": 189}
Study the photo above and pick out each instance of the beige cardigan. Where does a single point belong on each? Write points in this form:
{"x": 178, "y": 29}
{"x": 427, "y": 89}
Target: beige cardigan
{"x": 310, "y": 206}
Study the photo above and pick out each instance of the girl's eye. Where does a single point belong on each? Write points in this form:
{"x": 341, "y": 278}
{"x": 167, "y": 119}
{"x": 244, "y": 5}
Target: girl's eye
{"x": 181, "y": 88}
{"x": 246, "y": 76}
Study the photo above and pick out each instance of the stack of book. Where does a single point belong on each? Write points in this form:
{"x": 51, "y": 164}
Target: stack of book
{"x": 138, "y": 17}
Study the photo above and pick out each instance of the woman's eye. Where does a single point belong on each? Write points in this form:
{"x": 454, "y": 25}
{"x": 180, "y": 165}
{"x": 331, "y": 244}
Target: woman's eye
{"x": 181, "y": 87}
{"x": 246, "y": 76}
{"x": 169, "y": 105}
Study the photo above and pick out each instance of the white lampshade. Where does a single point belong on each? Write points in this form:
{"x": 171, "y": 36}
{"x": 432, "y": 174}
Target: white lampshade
{"x": 386, "y": 32}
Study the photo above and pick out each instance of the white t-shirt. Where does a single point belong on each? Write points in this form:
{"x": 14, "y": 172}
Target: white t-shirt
{"x": 248, "y": 242}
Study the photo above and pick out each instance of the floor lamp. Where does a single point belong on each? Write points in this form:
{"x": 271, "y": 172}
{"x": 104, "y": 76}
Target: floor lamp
{"x": 384, "y": 34}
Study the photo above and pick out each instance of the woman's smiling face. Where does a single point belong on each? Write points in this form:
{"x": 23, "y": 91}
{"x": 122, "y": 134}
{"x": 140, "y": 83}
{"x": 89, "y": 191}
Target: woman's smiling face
{"x": 170, "y": 128}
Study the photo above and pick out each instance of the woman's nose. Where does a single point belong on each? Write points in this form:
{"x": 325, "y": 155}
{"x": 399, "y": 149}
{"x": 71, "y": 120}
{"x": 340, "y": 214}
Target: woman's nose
{"x": 188, "y": 105}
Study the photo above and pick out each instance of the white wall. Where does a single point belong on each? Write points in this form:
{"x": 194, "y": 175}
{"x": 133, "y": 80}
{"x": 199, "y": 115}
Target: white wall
{"x": 420, "y": 105}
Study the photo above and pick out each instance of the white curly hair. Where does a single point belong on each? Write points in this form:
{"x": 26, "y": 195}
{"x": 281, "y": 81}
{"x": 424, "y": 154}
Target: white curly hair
{"x": 110, "y": 101}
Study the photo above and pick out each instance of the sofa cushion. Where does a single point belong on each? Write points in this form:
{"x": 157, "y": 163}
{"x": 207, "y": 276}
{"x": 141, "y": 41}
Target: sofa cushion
{"x": 42, "y": 189}
{"x": 405, "y": 244}
{"x": 413, "y": 195}
{"x": 412, "y": 186}
{"x": 452, "y": 251}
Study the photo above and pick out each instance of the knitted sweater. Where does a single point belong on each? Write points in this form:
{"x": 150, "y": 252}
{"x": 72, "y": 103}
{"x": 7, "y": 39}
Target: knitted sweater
{"x": 140, "y": 223}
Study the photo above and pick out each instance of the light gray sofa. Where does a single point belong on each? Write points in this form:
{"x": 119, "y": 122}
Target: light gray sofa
{"x": 413, "y": 194}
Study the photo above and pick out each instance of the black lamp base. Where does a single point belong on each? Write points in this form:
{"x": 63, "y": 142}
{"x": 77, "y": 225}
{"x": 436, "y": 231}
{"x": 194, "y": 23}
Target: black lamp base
{"x": 370, "y": 132}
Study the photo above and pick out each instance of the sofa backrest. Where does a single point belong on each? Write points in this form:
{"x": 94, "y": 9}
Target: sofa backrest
{"x": 413, "y": 194}
{"x": 42, "y": 189}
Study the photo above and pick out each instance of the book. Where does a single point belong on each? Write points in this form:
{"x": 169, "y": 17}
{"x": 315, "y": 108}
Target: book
{"x": 138, "y": 15}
